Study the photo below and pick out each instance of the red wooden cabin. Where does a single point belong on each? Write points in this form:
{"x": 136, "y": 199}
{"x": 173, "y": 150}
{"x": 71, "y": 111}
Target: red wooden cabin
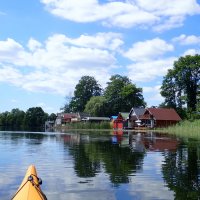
{"x": 118, "y": 122}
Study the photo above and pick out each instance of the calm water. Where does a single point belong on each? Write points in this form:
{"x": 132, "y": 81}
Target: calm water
{"x": 76, "y": 166}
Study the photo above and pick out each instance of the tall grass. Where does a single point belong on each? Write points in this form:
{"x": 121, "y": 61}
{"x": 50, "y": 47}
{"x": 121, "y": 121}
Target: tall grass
{"x": 88, "y": 125}
{"x": 187, "y": 128}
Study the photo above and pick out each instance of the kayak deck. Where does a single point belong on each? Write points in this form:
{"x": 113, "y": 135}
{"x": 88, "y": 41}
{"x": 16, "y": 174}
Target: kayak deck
{"x": 30, "y": 187}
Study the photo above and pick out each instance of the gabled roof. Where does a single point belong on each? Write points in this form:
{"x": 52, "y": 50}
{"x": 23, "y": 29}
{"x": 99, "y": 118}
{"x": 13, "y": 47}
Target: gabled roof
{"x": 69, "y": 115}
{"x": 136, "y": 112}
{"x": 82, "y": 114}
{"x": 164, "y": 114}
{"x": 125, "y": 115}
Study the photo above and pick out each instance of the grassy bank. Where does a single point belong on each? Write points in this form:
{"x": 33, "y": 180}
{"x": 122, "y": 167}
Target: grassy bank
{"x": 87, "y": 125}
{"x": 189, "y": 129}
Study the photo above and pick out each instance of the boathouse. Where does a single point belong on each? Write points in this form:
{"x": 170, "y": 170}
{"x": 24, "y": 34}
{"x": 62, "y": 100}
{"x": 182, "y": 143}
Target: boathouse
{"x": 134, "y": 117}
{"x": 118, "y": 122}
{"x": 160, "y": 117}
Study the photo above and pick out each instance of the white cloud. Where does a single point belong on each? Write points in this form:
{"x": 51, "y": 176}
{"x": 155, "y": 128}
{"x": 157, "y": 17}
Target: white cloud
{"x": 45, "y": 107}
{"x": 187, "y": 40}
{"x": 149, "y": 49}
{"x": 166, "y": 8}
{"x": 146, "y": 71}
{"x": 161, "y": 15}
{"x": 169, "y": 23}
{"x": 11, "y": 75}
{"x": 9, "y": 50}
{"x": 153, "y": 94}
{"x": 191, "y": 52}
{"x": 56, "y": 65}
{"x": 109, "y": 40}
{"x": 34, "y": 44}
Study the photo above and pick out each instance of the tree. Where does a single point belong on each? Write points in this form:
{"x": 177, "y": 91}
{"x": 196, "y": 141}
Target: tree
{"x": 13, "y": 120}
{"x": 18, "y": 118}
{"x": 181, "y": 84}
{"x": 52, "y": 117}
{"x": 122, "y": 95}
{"x": 96, "y": 106}
{"x": 35, "y": 118}
{"x": 168, "y": 90}
{"x": 84, "y": 90}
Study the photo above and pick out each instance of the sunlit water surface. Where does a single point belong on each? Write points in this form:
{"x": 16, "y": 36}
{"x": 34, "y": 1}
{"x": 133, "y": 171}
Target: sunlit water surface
{"x": 86, "y": 166}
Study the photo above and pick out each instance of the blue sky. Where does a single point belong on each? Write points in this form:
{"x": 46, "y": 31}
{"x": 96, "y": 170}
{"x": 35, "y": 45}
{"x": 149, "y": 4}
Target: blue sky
{"x": 46, "y": 46}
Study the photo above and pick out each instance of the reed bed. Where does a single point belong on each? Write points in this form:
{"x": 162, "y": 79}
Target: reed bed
{"x": 190, "y": 129}
{"x": 88, "y": 125}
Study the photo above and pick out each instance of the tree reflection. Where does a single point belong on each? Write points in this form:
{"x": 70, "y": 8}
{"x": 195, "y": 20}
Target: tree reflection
{"x": 84, "y": 166}
{"x": 17, "y": 137}
{"x": 181, "y": 171}
{"x": 94, "y": 156}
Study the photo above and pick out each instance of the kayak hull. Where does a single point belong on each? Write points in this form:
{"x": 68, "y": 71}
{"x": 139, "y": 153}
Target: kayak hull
{"x": 30, "y": 187}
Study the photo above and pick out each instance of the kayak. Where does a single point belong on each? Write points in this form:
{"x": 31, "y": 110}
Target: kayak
{"x": 30, "y": 187}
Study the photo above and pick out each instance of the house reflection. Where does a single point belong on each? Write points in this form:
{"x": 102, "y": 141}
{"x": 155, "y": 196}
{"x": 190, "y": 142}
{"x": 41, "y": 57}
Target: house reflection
{"x": 142, "y": 142}
{"x": 69, "y": 138}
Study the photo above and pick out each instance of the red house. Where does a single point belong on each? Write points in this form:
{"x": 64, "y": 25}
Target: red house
{"x": 67, "y": 117}
{"x": 118, "y": 122}
{"x": 160, "y": 117}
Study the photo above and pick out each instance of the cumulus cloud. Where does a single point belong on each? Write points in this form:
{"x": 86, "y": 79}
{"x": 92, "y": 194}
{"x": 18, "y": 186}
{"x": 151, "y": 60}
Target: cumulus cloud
{"x": 148, "y": 49}
{"x": 187, "y": 40}
{"x": 160, "y": 15}
{"x": 149, "y": 59}
{"x": 58, "y": 63}
{"x": 9, "y": 50}
{"x": 33, "y": 44}
{"x": 191, "y": 52}
{"x": 145, "y": 71}
{"x": 152, "y": 93}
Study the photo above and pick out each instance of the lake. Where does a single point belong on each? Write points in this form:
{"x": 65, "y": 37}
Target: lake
{"x": 101, "y": 166}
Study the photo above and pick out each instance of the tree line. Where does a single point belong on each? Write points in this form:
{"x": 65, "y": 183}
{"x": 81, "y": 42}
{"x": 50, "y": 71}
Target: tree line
{"x": 180, "y": 89}
{"x": 31, "y": 120}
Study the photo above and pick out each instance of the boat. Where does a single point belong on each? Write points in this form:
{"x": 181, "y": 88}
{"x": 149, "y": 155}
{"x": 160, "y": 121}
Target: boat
{"x": 30, "y": 187}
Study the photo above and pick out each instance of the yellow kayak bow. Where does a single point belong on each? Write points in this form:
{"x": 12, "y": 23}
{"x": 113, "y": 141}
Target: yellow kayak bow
{"x": 30, "y": 187}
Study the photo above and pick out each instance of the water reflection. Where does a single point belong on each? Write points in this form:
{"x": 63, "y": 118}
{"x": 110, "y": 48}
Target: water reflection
{"x": 181, "y": 170}
{"x": 116, "y": 166}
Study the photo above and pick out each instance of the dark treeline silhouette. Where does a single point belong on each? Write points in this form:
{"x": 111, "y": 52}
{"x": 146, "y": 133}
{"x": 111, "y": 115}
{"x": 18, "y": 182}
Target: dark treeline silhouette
{"x": 31, "y": 120}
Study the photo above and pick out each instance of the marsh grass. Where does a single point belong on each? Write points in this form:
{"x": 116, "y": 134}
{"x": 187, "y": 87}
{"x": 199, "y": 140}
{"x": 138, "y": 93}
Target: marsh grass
{"x": 88, "y": 125}
{"x": 190, "y": 129}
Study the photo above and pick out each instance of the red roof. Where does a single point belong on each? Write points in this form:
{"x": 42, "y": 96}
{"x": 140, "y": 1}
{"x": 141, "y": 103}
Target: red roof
{"x": 164, "y": 114}
{"x": 69, "y": 115}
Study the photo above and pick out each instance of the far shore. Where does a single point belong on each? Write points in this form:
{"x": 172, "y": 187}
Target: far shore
{"x": 189, "y": 129}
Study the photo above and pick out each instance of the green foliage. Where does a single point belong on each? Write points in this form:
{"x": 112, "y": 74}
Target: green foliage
{"x": 121, "y": 95}
{"x": 96, "y": 106}
{"x": 35, "y": 118}
{"x": 52, "y": 117}
{"x": 84, "y": 90}
{"x": 12, "y": 120}
{"x": 180, "y": 86}
{"x": 181, "y": 170}
{"x": 186, "y": 128}
{"x": 118, "y": 162}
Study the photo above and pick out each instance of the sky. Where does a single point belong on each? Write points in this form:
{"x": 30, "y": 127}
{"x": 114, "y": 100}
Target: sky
{"x": 46, "y": 46}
